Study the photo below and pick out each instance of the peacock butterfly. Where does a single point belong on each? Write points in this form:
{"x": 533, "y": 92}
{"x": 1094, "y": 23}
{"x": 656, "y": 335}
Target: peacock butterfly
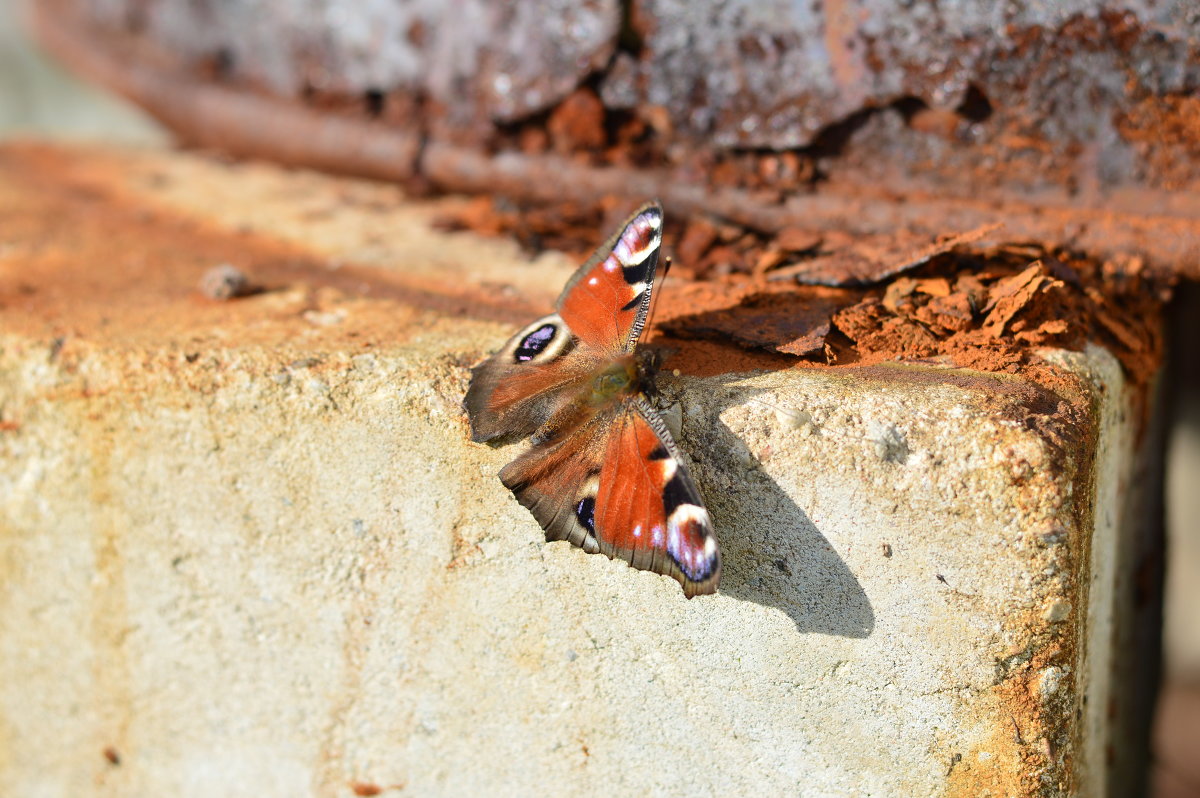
{"x": 603, "y": 472}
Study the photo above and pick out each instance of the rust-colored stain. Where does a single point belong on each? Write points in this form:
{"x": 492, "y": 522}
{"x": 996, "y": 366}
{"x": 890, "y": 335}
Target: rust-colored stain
{"x": 83, "y": 261}
{"x": 955, "y": 300}
{"x": 87, "y": 260}
{"x": 96, "y": 261}
{"x": 787, "y": 322}
{"x": 1173, "y": 120}
{"x": 1034, "y": 735}
{"x": 866, "y": 260}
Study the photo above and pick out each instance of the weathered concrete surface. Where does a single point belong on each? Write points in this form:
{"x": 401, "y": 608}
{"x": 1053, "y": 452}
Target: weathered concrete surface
{"x": 246, "y": 547}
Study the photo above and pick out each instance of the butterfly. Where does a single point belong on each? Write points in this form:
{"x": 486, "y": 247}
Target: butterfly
{"x": 603, "y": 471}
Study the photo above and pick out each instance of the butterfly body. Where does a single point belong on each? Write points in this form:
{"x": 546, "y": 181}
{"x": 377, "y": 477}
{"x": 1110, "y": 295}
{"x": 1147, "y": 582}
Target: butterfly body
{"x": 614, "y": 381}
{"x": 603, "y": 471}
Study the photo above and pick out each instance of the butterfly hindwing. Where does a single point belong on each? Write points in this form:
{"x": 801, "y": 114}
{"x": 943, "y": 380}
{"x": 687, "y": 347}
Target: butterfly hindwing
{"x": 619, "y": 487}
{"x": 648, "y": 511}
{"x": 557, "y": 482}
{"x": 606, "y": 301}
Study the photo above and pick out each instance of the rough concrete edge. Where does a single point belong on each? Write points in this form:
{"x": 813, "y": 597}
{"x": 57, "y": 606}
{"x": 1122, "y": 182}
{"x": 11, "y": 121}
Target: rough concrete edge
{"x": 1111, "y": 462}
{"x": 1141, "y": 550}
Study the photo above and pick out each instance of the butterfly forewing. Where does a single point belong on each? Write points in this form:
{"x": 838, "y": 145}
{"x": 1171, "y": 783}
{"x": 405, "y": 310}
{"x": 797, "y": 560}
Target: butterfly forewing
{"x": 519, "y": 388}
{"x": 606, "y": 301}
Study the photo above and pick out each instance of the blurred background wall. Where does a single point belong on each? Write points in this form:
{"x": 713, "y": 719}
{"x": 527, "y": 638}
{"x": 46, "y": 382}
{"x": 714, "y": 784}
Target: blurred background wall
{"x": 38, "y": 97}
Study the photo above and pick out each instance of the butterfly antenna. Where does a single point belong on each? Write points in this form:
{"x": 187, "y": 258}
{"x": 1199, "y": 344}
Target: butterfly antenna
{"x": 666, "y": 267}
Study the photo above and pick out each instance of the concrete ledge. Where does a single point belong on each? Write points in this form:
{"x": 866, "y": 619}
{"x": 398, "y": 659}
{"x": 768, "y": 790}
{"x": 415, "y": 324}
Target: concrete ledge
{"x": 246, "y": 548}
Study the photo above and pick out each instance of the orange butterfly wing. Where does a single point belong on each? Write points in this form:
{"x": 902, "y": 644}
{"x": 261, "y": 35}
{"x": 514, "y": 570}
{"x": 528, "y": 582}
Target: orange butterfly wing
{"x": 619, "y": 487}
{"x": 601, "y": 312}
{"x": 648, "y": 511}
{"x": 605, "y": 302}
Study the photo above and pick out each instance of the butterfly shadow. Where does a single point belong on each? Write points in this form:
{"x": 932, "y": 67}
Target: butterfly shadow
{"x": 773, "y": 554}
